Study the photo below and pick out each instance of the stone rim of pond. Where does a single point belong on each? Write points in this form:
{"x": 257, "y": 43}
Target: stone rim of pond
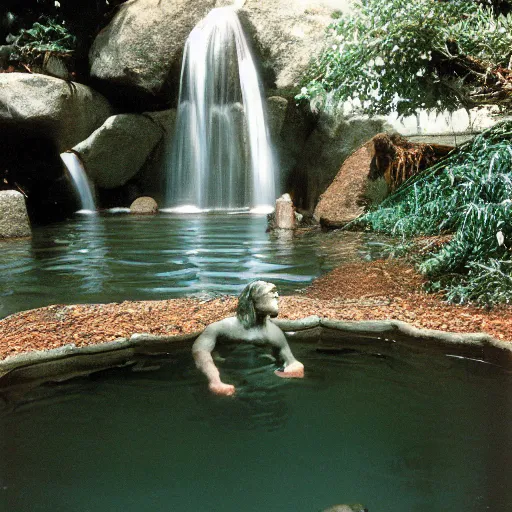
{"x": 69, "y": 361}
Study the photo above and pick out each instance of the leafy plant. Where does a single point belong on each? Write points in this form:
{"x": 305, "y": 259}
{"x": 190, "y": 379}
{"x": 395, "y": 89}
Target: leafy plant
{"x": 46, "y": 36}
{"x": 469, "y": 193}
{"x": 391, "y": 55}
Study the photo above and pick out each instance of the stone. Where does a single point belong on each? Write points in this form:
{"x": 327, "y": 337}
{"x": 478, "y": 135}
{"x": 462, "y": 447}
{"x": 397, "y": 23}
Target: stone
{"x": 284, "y": 213}
{"x": 144, "y": 42}
{"x": 144, "y": 206}
{"x": 67, "y": 112}
{"x": 347, "y": 508}
{"x": 118, "y": 149}
{"x": 152, "y": 177}
{"x": 276, "y": 114}
{"x": 14, "y": 221}
{"x": 142, "y": 47}
{"x": 332, "y": 141}
{"x": 348, "y": 195}
{"x": 288, "y": 35}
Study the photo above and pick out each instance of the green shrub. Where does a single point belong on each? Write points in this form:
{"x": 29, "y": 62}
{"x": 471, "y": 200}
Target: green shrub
{"x": 46, "y": 36}
{"x": 469, "y": 193}
{"x": 393, "y": 55}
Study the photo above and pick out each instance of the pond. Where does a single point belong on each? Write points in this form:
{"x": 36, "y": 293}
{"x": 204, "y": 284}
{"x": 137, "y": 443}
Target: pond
{"x": 111, "y": 258}
{"x": 393, "y": 428}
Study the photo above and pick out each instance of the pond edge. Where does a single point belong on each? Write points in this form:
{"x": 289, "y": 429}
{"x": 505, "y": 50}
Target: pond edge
{"x": 68, "y": 361}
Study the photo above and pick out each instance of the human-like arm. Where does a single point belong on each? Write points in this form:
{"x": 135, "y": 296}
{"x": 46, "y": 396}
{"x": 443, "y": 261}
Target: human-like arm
{"x": 202, "y": 353}
{"x": 292, "y": 367}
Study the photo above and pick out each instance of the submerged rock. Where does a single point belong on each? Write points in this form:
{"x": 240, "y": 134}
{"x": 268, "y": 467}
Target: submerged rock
{"x": 357, "y": 507}
{"x": 14, "y": 221}
{"x": 65, "y": 111}
{"x": 144, "y": 206}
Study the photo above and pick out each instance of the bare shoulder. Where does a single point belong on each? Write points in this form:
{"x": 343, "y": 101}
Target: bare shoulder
{"x": 222, "y": 325}
{"x": 275, "y": 334}
{"x": 208, "y": 338}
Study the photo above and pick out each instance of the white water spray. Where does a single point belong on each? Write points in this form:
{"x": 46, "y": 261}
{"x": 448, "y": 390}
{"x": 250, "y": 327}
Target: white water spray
{"x": 80, "y": 181}
{"x": 221, "y": 155}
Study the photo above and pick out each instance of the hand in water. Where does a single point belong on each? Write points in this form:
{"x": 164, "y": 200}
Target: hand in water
{"x": 222, "y": 389}
{"x": 294, "y": 370}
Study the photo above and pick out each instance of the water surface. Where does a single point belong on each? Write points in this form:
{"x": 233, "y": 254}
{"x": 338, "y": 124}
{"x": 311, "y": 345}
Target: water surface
{"x": 111, "y": 258}
{"x": 395, "y": 430}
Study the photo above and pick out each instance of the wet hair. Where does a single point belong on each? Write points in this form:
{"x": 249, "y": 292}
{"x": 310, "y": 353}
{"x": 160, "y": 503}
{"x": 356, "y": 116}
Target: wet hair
{"x": 245, "y": 311}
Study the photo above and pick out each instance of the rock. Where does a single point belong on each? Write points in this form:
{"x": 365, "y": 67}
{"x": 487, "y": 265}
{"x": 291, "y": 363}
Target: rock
{"x": 152, "y": 177}
{"x": 357, "y": 507}
{"x": 117, "y": 150}
{"x": 141, "y": 48}
{"x": 289, "y": 136}
{"x": 331, "y": 142}
{"x": 284, "y": 216}
{"x": 288, "y": 35}
{"x": 144, "y": 206}
{"x": 14, "y": 221}
{"x": 66, "y": 111}
{"x": 346, "y": 199}
{"x": 276, "y": 114}
{"x": 144, "y": 42}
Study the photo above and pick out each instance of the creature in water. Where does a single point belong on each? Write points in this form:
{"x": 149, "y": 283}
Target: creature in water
{"x": 251, "y": 325}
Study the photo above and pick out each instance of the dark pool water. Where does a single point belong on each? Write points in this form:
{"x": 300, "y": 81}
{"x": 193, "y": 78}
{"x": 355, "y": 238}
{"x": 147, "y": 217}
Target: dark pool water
{"x": 395, "y": 430}
{"x": 111, "y": 258}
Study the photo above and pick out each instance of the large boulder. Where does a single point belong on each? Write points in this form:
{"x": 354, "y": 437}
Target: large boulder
{"x": 66, "y": 112}
{"x": 288, "y": 35}
{"x": 116, "y": 151}
{"x": 144, "y": 42}
{"x": 141, "y": 49}
{"x": 14, "y": 221}
{"x": 334, "y": 138}
{"x": 350, "y": 192}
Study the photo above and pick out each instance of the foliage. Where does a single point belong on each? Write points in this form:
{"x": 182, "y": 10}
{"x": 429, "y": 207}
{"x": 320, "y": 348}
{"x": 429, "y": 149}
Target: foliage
{"x": 469, "y": 193}
{"x": 394, "y": 55}
{"x": 46, "y": 36}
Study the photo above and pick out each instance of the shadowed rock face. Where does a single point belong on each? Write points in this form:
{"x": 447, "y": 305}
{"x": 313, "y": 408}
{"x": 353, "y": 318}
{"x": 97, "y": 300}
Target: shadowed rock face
{"x": 31, "y": 163}
{"x": 66, "y": 112}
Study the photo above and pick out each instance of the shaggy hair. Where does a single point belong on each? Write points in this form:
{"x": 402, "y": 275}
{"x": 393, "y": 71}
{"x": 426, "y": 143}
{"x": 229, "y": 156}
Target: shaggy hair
{"x": 245, "y": 311}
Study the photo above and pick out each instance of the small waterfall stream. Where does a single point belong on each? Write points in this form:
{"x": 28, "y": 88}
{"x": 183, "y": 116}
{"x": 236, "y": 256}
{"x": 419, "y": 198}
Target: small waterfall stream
{"x": 221, "y": 155}
{"x": 80, "y": 181}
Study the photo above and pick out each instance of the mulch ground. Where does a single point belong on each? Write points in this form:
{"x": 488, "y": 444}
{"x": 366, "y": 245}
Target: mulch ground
{"x": 377, "y": 290}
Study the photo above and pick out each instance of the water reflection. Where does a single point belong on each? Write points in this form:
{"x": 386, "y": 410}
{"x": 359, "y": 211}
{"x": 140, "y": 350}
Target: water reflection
{"x": 111, "y": 258}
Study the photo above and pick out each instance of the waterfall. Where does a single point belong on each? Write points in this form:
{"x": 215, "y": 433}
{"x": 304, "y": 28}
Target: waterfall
{"x": 80, "y": 181}
{"x": 221, "y": 156}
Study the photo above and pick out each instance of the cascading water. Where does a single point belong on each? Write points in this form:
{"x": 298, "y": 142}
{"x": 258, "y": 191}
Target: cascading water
{"x": 80, "y": 181}
{"x": 221, "y": 156}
